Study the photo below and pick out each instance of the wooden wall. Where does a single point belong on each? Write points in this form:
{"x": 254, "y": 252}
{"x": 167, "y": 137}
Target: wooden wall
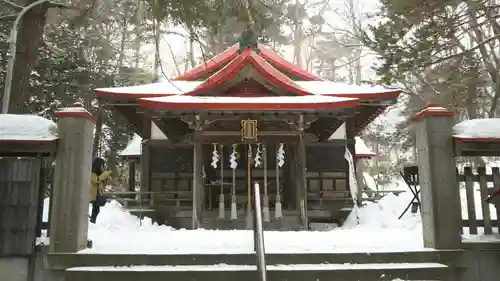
{"x": 172, "y": 178}
{"x": 19, "y": 205}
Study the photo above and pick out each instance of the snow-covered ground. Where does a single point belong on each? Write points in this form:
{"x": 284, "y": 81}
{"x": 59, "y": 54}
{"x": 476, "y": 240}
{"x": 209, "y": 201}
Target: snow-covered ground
{"x": 373, "y": 228}
{"x": 398, "y": 184}
{"x": 117, "y": 231}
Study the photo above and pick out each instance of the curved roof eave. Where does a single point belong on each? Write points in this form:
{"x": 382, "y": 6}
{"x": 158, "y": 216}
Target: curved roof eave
{"x": 231, "y": 70}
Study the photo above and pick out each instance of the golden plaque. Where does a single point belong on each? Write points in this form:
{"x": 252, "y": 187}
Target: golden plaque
{"x": 249, "y": 130}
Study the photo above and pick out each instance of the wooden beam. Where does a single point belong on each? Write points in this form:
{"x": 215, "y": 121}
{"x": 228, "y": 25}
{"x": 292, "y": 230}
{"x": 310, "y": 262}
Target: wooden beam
{"x": 131, "y": 176}
{"x": 174, "y": 129}
{"x": 19, "y": 149}
{"x": 232, "y": 139}
{"x": 491, "y": 149}
{"x": 238, "y": 133}
{"x": 323, "y": 128}
{"x": 146, "y": 154}
{"x": 365, "y": 115}
{"x": 262, "y": 117}
{"x": 132, "y": 117}
{"x": 169, "y": 143}
{"x": 197, "y": 189}
{"x": 301, "y": 177}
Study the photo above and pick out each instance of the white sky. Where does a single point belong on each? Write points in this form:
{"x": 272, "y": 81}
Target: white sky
{"x": 179, "y": 45}
{"x": 335, "y": 19}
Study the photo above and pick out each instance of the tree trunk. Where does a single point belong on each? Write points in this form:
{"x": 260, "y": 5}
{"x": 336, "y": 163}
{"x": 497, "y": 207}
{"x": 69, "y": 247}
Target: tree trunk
{"x": 28, "y": 41}
{"x": 191, "y": 52}
{"x": 123, "y": 40}
{"x": 138, "y": 36}
{"x": 156, "y": 66}
{"x": 297, "y": 37}
{"x": 113, "y": 156}
{"x": 357, "y": 55}
{"x": 472, "y": 93}
{"x": 486, "y": 58}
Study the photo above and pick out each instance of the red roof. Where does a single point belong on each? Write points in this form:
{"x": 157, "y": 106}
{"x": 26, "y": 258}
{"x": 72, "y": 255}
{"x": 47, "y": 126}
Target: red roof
{"x": 218, "y": 62}
{"x": 233, "y": 68}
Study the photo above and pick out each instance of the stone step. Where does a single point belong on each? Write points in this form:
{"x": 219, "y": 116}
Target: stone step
{"x": 61, "y": 261}
{"x": 288, "y": 272}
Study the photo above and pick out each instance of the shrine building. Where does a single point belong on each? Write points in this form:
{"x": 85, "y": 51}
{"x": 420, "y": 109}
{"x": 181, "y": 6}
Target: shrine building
{"x": 247, "y": 115}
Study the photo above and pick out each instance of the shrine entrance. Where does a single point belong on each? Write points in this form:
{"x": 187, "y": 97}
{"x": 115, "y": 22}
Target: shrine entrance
{"x": 230, "y": 171}
{"x": 202, "y": 114}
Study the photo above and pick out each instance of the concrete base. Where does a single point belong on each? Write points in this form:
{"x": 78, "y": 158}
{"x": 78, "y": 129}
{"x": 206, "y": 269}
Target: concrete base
{"x": 370, "y": 273}
{"x": 14, "y": 269}
{"x": 478, "y": 262}
{"x": 64, "y": 261}
{"x": 482, "y": 262}
{"x": 424, "y": 265}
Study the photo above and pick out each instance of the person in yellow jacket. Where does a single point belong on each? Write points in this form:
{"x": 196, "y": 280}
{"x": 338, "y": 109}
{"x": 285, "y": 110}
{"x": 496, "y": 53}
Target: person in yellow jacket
{"x": 98, "y": 177}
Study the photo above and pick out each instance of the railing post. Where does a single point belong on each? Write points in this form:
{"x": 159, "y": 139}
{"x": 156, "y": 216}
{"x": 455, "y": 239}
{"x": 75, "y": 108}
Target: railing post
{"x": 441, "y": 211}
{"x": 259, "y": 234}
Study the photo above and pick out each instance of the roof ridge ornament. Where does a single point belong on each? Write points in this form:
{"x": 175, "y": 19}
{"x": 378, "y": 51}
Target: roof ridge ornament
{"x": 249, "y": 40}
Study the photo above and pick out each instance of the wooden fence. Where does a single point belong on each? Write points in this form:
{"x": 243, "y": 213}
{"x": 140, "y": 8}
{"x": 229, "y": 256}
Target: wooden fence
{"x": 486, "y": 184}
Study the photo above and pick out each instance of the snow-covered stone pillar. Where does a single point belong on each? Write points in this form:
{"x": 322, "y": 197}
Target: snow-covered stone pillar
{"x": 441, "y": 215}
{"x": 71, "y": 191}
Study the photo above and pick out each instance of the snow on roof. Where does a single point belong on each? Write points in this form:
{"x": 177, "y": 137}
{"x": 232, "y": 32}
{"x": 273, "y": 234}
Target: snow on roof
{"x": 15, "y": 127}
{"x": 282, "y": 102}
{"x": 333, "y": 88}
{"x": 133, "y": 147}
{"x": 173, "y": 87}
{"x": 179, "y": 87}
{"x": 478, "y": 129}
{"x": 361, "y": 149}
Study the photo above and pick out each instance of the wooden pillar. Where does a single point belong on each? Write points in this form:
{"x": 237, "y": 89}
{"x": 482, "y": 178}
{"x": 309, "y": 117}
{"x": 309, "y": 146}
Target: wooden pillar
{"x": 131, "y": 175}
{"x": 288, "y": 179}
{"x": 42, "y": 187}
{"x": 146, "y": 154}
{"x": 301, "y": 176}
{"x": 351, "y": 145}
{"x": 441, "y": 211}
{"x": 198, "y": 182}
{"x": 71, "y": 189}
{"x": 360, "y": 178}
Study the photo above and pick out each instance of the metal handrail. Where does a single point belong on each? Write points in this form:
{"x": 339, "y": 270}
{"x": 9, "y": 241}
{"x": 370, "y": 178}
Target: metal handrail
{"x": 258, "y": 231}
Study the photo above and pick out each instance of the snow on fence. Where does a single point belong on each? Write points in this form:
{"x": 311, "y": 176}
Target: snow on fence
{"x": 475, "y": 188}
